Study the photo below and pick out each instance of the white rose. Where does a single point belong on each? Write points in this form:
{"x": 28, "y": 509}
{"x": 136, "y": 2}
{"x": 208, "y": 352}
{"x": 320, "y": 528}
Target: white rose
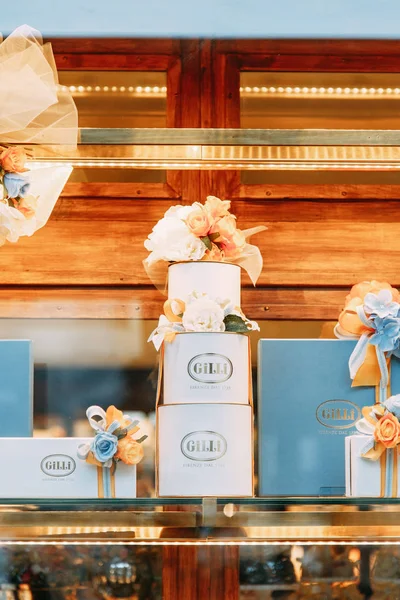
{"x": 179, "y": 211}
{"x": 203, "y": 315}
{"x": 171, "y": 240}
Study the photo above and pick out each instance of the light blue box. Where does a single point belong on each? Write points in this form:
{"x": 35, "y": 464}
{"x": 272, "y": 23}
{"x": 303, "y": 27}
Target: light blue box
{"x": 16, "y": 388}
{"x": 306, "y": 406}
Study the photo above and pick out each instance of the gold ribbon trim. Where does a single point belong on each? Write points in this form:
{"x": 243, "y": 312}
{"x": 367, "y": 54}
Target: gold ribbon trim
{"x": 100, "y": 481}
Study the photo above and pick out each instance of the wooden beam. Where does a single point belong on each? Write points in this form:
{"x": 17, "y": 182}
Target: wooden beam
{"x": 119, "y": 190}
{"x": 336, "y": 192}
{"x": 114, "y": 45}
{"x": 122, "y": 62}
{"x": 146, "y": 303}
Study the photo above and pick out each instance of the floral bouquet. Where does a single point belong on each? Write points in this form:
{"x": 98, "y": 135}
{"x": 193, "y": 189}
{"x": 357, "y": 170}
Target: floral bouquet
{"x": 381, "y": 423}
{"x": 34, "y": 109}
{"x": 372, "y": 316}
{"x": 202, "y": 232}
{"x": 113, "y": 440}
{"x": 200, "y": 313}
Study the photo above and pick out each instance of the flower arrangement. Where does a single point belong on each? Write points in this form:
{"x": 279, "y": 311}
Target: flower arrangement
{"x": 14, "y": 186}
{"x": 113, "y": 441}
{"x": 371, "y": 315}
{"x": 34, "y": 110}
{"x": 381, "y": 423}
{"x": 203, "y": 232}
{"x": 199, "y": 313}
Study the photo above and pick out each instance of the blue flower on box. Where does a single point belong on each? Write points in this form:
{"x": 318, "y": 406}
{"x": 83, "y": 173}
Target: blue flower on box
{"x": 381, "y": 304}
{"x": 17, "y": 185}
{"x": 387, "y": 334}
{"x": 104, "y": 446}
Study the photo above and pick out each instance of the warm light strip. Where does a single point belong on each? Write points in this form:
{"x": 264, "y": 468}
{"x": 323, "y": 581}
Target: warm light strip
{"x": 210, "y": 165}
{"x": 354, "y": 542}
{"x": 122, "y": 89}
{"x": 320, "y": 91}
{"x": 252, "y": 90}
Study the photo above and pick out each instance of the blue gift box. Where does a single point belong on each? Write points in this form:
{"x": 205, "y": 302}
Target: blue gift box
{"x": 306, "y": 406}
{"x": 16, "y": 388}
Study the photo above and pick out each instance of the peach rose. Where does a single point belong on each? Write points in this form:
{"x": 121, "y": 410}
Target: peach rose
{"x": 234, "y": 247}
{"x": 129, "y": 451}
{"x": 216, "y": 207}
{"x": 349, "y": 319}
{"x": 13, "y": 159}
{"x": 198, "y": 222}
{"x": 174, "y": 309}
{"x": 387, "y": 431}
{"x": 360, "y": 290}
{"x": 226, "y": 227}
{"x": 27, "y": 206}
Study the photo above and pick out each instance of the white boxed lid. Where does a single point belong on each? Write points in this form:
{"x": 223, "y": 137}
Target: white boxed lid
{"x": 218, "y": 279}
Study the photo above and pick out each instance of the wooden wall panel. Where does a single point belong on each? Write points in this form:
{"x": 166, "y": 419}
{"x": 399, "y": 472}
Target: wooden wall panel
{"x": 308, "y": 243}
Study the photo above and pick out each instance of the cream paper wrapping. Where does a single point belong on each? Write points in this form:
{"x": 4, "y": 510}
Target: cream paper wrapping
{"x": 207, "y": 367}
{"x": 29, "y": 468}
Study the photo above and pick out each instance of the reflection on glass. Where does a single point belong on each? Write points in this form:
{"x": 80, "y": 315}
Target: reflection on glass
{"x": 295, "y": 573}
{"x": 320, "y": 101}
{"x": 123, "y": 99}
{"x": 62, "y": 572}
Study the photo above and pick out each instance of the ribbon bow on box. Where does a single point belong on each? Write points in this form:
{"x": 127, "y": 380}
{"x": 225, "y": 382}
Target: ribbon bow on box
{"x": 371, "y": 316}
{"x": 380, "y": 423}
{"x": 113, "y": 442}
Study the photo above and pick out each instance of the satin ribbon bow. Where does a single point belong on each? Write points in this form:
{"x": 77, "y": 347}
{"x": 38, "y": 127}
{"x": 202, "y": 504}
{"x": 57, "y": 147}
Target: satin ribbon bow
{"x": 375, "y": 449}
{"x": 98, "y": 421}
{"x": 368, "y": 363}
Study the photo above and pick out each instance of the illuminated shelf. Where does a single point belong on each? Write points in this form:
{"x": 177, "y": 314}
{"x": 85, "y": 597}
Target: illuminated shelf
{"x": 245, "y": 149}
{"x": 233, "y": 521}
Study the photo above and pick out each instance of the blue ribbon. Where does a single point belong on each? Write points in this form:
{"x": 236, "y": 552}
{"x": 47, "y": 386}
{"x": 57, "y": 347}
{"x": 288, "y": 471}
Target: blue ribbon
{"x": 389, "y": 472}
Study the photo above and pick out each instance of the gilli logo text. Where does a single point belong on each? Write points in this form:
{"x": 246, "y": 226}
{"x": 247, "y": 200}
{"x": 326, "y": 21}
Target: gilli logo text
{"x": 210, "y": 368}
{"x": 203, "y": 445}
{"x": 58, "y": 465}
{"x": 338, "y": 414}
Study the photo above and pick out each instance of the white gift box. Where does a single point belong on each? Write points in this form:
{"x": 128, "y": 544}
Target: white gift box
{"x": 370, "y": 478}
{"x": 218, "y": 280}
{"x": 50, "y": 468}
{"x": 205, "y": 450}
{"x": 207, "y": 367}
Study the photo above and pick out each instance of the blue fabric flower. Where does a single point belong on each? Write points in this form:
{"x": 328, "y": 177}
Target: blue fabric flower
{"x": 393, "y": 405}
{"x": 104, "y": 446}
{"x": 17, "y": 185}
{"x": 387, "y": 335}
{"x": 381, "y": 304}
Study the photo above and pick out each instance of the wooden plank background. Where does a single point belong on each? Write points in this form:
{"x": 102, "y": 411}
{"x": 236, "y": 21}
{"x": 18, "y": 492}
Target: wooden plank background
{"x": 87, "y": 261}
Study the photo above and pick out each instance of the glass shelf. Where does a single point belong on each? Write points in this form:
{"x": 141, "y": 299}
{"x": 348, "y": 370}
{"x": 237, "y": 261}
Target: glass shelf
{"x": 231, "y": 521}
{"x": 220, "y": 149}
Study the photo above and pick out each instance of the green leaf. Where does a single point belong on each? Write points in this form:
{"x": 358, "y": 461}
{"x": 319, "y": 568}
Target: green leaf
{"x": 207, "y": 242}
{"x": 235, "y": 323}
{"x": 213, "y": 236}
